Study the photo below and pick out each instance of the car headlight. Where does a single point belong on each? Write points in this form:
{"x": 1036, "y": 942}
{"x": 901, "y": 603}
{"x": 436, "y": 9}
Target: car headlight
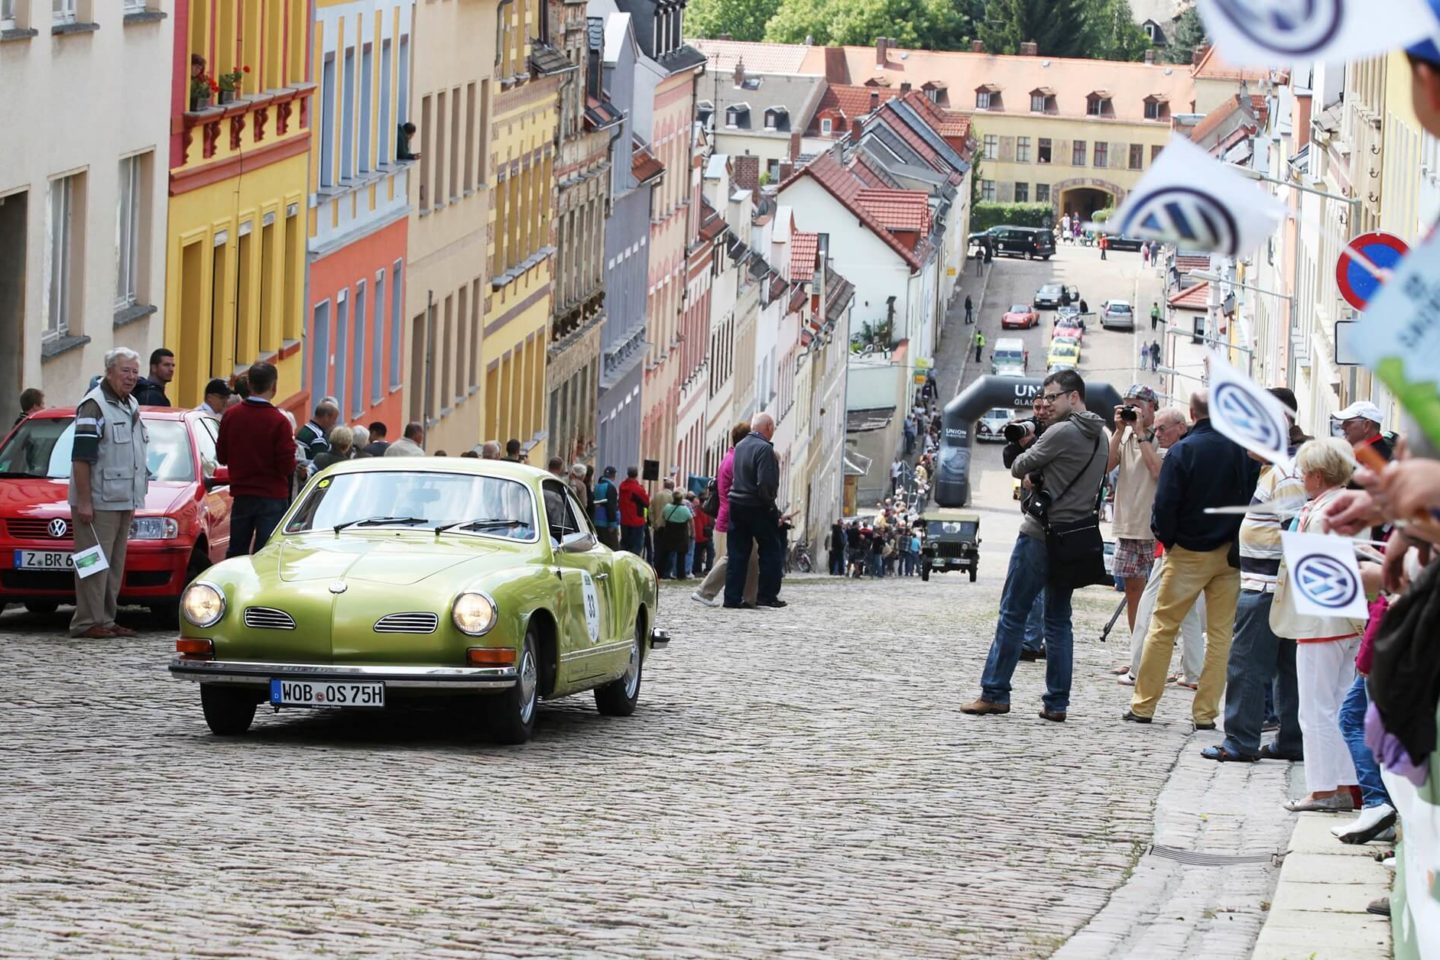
{"x": 154, "y": 528}
{"x": 202, "y": 604}
{"x": 474, "y": 614}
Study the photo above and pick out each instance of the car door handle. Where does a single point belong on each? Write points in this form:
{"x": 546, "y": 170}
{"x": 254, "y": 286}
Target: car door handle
{"x": 602, "y": 576}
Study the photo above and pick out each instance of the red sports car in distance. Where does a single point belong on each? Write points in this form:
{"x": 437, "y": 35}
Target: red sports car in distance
{"x": 1020, "y": 316}
{"x": 184, "y": 527}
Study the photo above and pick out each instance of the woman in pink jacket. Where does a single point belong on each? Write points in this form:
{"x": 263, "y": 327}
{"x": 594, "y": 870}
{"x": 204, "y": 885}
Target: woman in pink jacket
{"x": 715, "y": 579}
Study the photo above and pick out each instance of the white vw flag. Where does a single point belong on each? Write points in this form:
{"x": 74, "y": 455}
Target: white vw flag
{"x": 1270, "y": 33}
{"x": 1246, "y": 413}
{"x": 1194, "y": 201}
{"x": 1324, "y": 575}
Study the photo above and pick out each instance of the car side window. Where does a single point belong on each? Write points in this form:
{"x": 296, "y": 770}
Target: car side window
{"x": 205, "y": 443}
{"x": 558, "y": 513}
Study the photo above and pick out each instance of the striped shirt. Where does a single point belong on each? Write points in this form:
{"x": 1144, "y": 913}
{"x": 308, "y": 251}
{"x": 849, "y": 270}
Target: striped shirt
{"x": 1280, "y": 490}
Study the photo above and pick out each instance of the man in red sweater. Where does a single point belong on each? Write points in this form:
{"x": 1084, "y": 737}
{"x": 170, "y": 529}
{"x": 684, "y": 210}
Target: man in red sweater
{"x": 257, "y": 445}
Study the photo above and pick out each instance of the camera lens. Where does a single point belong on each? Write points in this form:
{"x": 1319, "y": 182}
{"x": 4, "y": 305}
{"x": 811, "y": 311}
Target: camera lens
{"x": 1129, "y": 415}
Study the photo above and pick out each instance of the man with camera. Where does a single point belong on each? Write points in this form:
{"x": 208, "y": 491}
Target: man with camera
{"x": 1027, "y": 429}
{"x": 1135, "y": 449}
{"x": 1064, "y": 469}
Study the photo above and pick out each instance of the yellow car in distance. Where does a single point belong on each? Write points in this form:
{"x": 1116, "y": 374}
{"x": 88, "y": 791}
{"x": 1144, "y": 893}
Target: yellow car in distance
{"x": 1064, "y": 354}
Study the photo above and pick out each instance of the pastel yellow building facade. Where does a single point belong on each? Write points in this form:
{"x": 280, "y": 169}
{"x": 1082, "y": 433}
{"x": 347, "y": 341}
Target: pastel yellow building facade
{"x": 520, "y": 245}
{"x": 235, "y": 250}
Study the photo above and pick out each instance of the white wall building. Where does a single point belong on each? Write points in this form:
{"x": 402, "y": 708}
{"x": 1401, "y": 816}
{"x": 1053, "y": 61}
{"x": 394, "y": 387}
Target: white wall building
{"x": 83, "y": 185}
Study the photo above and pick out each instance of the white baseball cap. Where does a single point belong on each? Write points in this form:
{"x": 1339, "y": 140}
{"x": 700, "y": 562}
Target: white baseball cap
{"x": 1363, "y": 409}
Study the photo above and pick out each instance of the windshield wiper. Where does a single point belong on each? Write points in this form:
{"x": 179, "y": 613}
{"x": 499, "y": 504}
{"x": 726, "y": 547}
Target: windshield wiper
{"x": 484, "y": 523}
{"x": 378, "y": 521}
{"x": 7, "y": 474}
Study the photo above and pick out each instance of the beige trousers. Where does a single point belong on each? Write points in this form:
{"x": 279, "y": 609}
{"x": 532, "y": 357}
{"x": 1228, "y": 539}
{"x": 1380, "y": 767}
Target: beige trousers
{"x": 98, "y": 596}
{"x": 714, "y": 584}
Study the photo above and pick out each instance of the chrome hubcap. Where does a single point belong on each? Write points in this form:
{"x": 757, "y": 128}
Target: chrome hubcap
{"x": 528, "y": 686}
{"x": 632, "y": 670}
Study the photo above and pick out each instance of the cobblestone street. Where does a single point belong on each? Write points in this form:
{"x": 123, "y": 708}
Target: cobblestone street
{"x": 796, "y": 782}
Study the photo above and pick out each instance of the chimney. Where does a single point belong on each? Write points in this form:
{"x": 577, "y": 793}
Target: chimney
{"x": 786, "y": 168}
{"x": 904, "y": 86}
{"x": 977, "y": 46}
{"x": 795, "y": 145}
{"x": 1029, "y": 48}
{"x": 739, "y": 72}
{"x": 1150, "y": 55}
{"x": 881, "y": 50}
{"x": 855, "y": 127}
{"x": 1198, "y": 54}
{"x": 874, "y": 100}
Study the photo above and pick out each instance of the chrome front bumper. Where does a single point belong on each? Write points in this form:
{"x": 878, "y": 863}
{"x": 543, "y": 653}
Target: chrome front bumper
{"x": 414, "y": 678}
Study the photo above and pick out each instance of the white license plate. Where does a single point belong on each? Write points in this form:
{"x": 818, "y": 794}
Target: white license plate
{"x": 43, "y": 560}
{"x": 327, "y": 693}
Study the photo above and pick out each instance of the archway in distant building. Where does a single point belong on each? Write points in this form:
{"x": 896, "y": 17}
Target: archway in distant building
{"x": 1085, "y": 196}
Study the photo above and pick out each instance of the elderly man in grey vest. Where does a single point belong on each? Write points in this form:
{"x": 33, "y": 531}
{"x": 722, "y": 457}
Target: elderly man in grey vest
{"x": 108, "y": 483}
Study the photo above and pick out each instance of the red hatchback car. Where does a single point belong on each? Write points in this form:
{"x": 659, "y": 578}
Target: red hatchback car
{"x": 1020, "y": 316}
{"x": 184, "y": 527}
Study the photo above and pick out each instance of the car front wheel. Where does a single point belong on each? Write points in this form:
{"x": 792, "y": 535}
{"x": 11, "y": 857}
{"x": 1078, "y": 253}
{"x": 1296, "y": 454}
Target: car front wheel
{"x": 618, "y": 697}
{"x": 229, "y": 712}
{"x": 510, "y": 716}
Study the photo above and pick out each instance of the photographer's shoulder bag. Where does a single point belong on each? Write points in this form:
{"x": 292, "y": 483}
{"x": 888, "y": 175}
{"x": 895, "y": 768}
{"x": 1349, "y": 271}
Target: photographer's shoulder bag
{"x": 1076, "y": 550}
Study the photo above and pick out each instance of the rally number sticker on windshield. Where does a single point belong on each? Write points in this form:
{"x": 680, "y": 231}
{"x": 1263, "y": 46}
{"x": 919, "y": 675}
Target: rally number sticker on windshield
{"x": 592, "y": 606}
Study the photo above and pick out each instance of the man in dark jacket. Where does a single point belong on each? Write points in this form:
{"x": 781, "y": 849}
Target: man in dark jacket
{"x": 1069, "y": 460}
{"x": 606, "y": 512}
{"x": 256, "y": 444}
{"x": 150, "y": 391}
{"x": 754, "y": 517}
{"x": 1205, "y": 469}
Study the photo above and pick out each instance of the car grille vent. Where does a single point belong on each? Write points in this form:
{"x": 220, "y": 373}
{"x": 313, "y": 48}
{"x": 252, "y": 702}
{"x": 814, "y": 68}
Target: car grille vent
{"x": 268, "y": 618}
{"x": 407, "y": 623}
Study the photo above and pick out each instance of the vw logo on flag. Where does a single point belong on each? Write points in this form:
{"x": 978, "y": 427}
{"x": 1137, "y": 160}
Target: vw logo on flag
{"x": 58, "y": 528}
{"x": 1193, "y": 217}
{"x": 1325, "y": 581}
{"x": 1247, "y": 416}
{"x": 1287, "y": 27}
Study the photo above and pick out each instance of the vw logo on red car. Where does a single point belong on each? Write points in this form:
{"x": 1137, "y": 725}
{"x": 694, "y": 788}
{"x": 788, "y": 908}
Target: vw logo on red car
{"x": 58, "y": 528}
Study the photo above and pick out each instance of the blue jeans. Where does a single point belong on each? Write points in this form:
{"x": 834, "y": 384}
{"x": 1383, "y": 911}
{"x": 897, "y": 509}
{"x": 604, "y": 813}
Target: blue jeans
{"x": 1024, "y": 581}
{"x": 688, "y": 560}
{"x": 1257, "y": 656}
{"x": 1352, "y": 728}
{"x": 837, "y": 563}
{"x": 633, "y": 539}
{"x": 877, "y": 565}
{"x": 1035, "y": 625}
{"x": 252, "y": 518}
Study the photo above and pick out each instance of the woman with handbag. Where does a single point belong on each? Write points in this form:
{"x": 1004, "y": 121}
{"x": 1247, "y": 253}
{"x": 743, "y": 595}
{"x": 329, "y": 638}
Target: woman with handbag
{"x": 673, "y": 538}
{"x": 1325, "y": 646}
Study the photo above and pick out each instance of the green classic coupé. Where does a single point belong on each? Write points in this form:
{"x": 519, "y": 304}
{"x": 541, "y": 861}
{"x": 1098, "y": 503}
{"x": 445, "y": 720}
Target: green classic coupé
{"x": 391, "y": 580}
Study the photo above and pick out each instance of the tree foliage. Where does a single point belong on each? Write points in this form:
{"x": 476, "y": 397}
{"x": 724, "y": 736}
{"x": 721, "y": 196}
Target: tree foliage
{"x": 739, "y": 19}
{"x": 1059, "y": 28}
{"x": 921, "y": 24}
{"x": 1189, "y": 34}
{"x": 991, "y": 213}
{"x": 1115, "y": 33}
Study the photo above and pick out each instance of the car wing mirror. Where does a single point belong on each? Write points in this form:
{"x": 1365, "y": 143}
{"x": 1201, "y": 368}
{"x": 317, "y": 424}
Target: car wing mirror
{"x": 579, "y": 542}
{"x": 220, "y": 478}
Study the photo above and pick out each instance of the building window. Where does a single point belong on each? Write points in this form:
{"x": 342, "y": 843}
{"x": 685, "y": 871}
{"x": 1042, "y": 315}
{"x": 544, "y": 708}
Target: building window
{"x": 987, "y": 189}
{"x": 1137, "y": 156}
{"x": 367, "y": 79}
{"x": 1038, "y": 102}
{"x": 1155, "y": 153}
{"x": 1094, "y": 105}
{"x": 384, "y": 129}
{"x": 327, "y": 121}
{"x": 135, "y": 6}
{"x": 342, "y": 352}
{"x": 982, "y": 99}
{"x": 397, "y": 305}
{"x": 826, "y": 127}
{"x": 377, "y": 342}
{"x": 1022, "y": 149}
{"x": 130, "y": 212}
{"x": 319, "y": 348}
{"x": 7, "y": 14}
{"x": 1077, "y": 153}
{"x": 347, "y": 118}
{"x": 362, "y": 332}
{"x": 1042, "y": 193}
{"x": 1045, "y": 151}
{"x": 992, "y": 146}
{"x": 64, "y": 11}
{"x": 1022, "y": 193}
{"x": 60, "y": 247}
{"x": 1102, "y": 154}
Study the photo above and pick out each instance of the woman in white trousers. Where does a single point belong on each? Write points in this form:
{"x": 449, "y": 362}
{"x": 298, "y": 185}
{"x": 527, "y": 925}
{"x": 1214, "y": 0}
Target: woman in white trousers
{"x": 1325, "y": 646}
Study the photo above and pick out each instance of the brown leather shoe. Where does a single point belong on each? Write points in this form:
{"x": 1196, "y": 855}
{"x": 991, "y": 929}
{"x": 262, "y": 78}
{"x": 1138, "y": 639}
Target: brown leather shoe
{"x": 118, "y": 631}
{"x": 1054, "y": 716}
{"x": 96, "y": 632}
{"x": 981, "y": 707}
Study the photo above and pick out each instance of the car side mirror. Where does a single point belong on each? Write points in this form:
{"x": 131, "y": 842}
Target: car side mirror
{"x": 579, "y": 542}
{"x": 220, "y": 478}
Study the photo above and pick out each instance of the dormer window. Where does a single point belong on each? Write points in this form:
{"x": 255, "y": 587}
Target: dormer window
{"x": 704, "y": 110}
{"x": 777, "y": 118}
{"x": 1157, "y": 107}
{"x": 1042, "y": 100}
{"x": 935, "y": 91}
{"x": 827, "y": 127}
{"x": 1098, "y": 104}
{"x": 737, "y": 116}
{"x": 987, "y": 97}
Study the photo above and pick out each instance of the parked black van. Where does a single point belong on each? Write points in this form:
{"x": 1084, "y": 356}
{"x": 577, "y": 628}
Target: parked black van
{"x": 1027, "y": 242}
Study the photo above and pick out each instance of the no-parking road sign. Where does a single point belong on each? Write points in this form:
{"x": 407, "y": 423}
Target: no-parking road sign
{"x": 1357, "y": 283}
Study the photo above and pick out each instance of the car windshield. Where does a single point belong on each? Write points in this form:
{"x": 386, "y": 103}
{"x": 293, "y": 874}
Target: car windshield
{"x": 487, "y": 506}
{"x": 952, "y": 528}
{"x": 1119, "y": 307}
{"x": 41, "y": 447}
{"x": 1050, "y": 290}
{"x": 998, "y": 413}
{"x": 1019, "y": 308}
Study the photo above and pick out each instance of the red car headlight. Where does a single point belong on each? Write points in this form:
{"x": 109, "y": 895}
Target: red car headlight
{"x": 154, "y": 528}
